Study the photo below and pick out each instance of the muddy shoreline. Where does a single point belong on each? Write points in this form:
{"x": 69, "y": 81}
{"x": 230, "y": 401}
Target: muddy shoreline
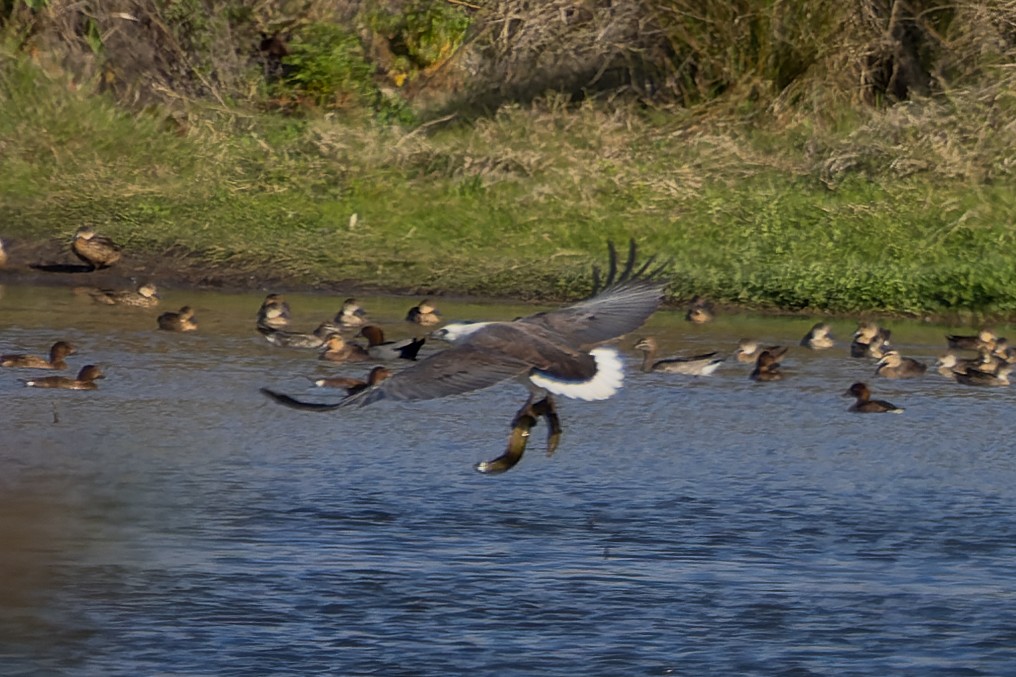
{"x": 50, "y": 263}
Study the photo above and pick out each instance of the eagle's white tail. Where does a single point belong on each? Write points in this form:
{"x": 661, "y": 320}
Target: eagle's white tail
{"x": 608, "y": 378}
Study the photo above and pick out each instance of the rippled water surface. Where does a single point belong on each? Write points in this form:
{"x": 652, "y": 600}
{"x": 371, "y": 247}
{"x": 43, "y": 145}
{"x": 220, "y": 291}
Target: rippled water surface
{"x": 176, "y": 522}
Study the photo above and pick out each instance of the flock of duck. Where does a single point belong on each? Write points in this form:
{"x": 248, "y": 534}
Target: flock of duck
{"x": 272, "y": 321}
{"x": 989, "y": 362}
{"x": 559, "y": 352}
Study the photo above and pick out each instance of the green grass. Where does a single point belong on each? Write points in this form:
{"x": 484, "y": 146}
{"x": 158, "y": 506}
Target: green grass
{"x": 907, "y": 211}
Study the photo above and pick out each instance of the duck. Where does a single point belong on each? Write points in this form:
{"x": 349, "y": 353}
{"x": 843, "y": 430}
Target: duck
{"x": 557, "y": 352}
{"x": 85, "y": 380}
{"x": 894, "y": 365}
{"x": 949, "y": 364}
{"x": 1003, "y": 351}
{"x": 179, "y": 321}
{"x": 295, "y": 339}
{"x": 355, "y": 385}
{"x": 699, "y": 365}
{"x": 870, "y": 340}
{"x": 3, "y": 255}
{"x": 95, "y": 250}
{"x": 976, "y": 377}
{"x": 865, "y": 405}
{"x": 985, "y": 338}
{"x": 818, "y": 337}
{"x": 424, "y": 314}
{"x": 379, "y": 349}
{"x": 57, "y": 352}
{"x": 351, "y": 315}
{"x": 146, "y": 296}
{"x": 337, "y": 349}
{"x": 748, "y": 351}
{"x": 767, "y": 368}
{"x": 273, "y": 314}
{"x": 700, "y": 311}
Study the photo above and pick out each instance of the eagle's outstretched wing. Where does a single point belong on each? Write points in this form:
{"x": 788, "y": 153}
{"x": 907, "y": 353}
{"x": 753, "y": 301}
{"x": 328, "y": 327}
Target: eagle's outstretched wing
{"x": 624, "y": 303}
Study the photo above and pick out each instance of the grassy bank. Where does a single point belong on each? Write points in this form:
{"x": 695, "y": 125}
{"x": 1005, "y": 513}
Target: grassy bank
{"x": 903, "y": 210}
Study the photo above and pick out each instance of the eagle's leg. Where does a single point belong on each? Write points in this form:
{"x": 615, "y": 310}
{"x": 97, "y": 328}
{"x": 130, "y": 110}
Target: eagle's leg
{"x": 525, "y": 419}
{"x": 548, "y": 410}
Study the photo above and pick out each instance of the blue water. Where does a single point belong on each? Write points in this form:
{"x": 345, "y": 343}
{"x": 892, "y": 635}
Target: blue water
{"x": 176, "y": 522}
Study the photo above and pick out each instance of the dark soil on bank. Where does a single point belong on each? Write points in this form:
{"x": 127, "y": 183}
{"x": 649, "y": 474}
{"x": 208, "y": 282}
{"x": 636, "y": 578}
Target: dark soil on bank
{"x": 51, "y": 263}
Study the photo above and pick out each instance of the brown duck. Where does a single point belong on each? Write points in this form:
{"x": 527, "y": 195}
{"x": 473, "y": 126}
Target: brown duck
{"x": 96, "y": 250}
{"x": 273, "y": 314}
{"x": 863, "y": 403}
{"x": 698, "y": 365}
{"x": 85, "y": 380}
{"x": 338, "y": 350}
{"x": 818, "y": 337}
{"x": 146, "y": 296}
{"x": 894, "y": 365}
{"x": 767, "y": 368}
{"x": 355, "y": 385}
{"x": 57, "y": 353}
{"x": 380, "y": 349}
{"x": 423, "y": 314}
{"x": 179, "y": 321}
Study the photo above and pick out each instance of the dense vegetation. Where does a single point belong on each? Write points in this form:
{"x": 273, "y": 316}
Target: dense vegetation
{"x": 824, "y": 156}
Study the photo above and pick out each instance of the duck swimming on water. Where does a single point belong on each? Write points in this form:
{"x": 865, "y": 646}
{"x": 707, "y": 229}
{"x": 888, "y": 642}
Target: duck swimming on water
{"x": 949, "y": 364}
{"x": 863, "y": 403}
{"x": 767, "y": 368}
{"x": 351, "y": 315}
{"x": 870, "y": 340}
{"x": 57, "y": 352}
{"x": 296, "y": 339}
{"x": 894, "y": 365}
{"x": 424, "y": 314}
{"x": 818, "y": 337}
{"x": 354, "y": 385}
{"x": 985, "y": 338}
{"x": 553, "y": 353}
{"x": 179, "y": 321}
{"x": 337, "y": 349}
{"x": 273, "y": 314}
{"x": 976, "y": 377}
{"x": 748, "y": 351}
{"x": 698, "y": 365}
{"x": 146, "y": 296}
{"x": 380, "y": 349}
{"x": 85, "y": 380}
{"x": 700, "y": 311}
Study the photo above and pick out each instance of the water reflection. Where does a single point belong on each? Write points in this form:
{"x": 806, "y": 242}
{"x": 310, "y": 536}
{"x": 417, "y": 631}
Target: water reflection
{"x": 176, "y": 522}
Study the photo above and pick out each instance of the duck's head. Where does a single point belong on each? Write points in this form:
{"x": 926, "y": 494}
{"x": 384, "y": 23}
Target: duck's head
{"x": 84, "y": 233}
{"x": 890, "y": 358}
{"x": 378, "y": 374}
{"x": 62, "y": 349}
{"x": 90, "y": 372}
{"x": 857, "y": 390}
{"x": 374, "y": 334}
{"x": 335, "y": 342}
{"x": 352, "y": 307}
